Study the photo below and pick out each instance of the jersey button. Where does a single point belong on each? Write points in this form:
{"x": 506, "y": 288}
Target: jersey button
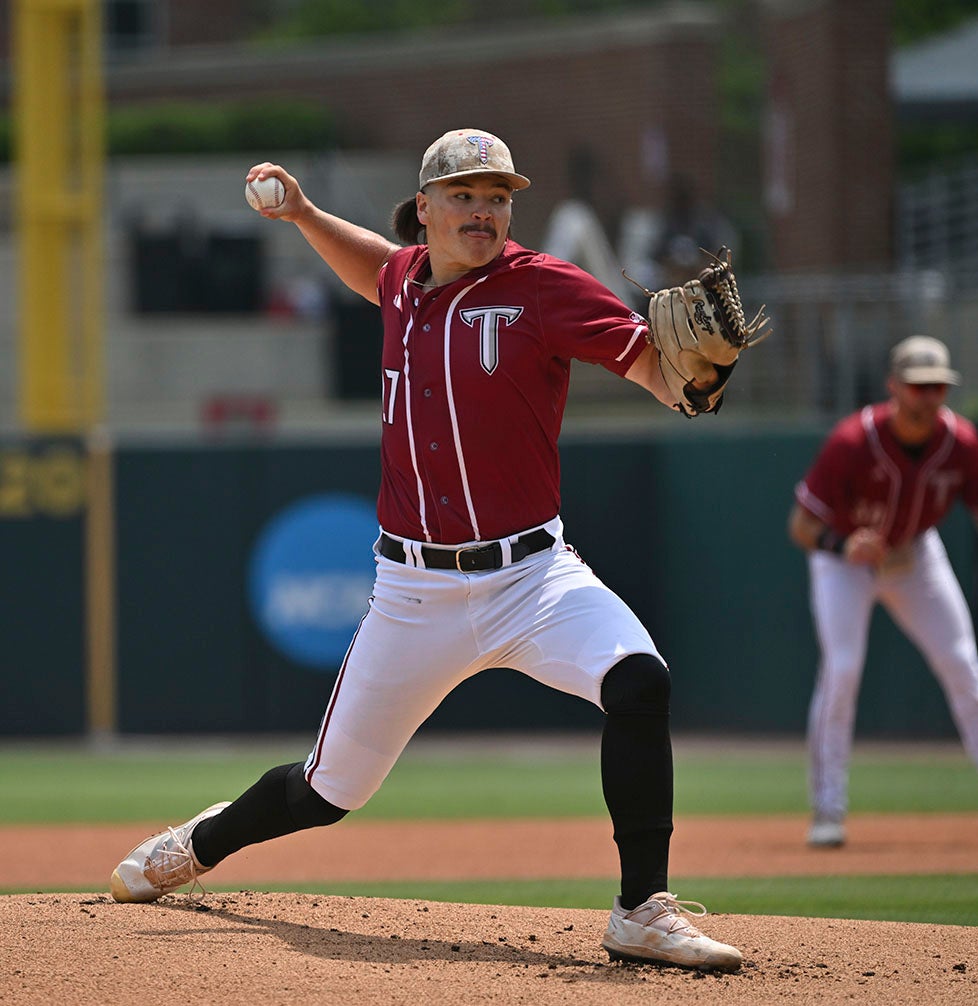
{"x": 444, "y": 499}
{"x": 433, "y": 445}
{"x": 427, "y": 392}
{"x": 426, "y": 328}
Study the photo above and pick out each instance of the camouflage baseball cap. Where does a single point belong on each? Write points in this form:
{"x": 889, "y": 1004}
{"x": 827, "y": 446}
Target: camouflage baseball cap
{"x": 922, "y": 360}
{"x": 468, "y": 152}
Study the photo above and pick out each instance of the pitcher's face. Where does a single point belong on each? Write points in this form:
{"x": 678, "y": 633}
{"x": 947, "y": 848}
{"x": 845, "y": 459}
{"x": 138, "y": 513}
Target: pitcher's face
{"x": 466, "y": 221}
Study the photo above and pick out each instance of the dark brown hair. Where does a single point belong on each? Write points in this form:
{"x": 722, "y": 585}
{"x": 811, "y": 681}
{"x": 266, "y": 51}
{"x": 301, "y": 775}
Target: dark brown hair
{"x": 405, "y": 223}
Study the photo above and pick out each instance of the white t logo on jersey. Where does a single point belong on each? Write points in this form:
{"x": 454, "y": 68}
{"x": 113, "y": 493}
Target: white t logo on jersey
{"x": 945, "y": 484}
{"x": 489, "y": 319}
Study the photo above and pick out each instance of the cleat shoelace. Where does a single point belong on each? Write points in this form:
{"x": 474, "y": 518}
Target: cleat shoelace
{"x": 679, "y": 909}
{"x": 173, "y": 866}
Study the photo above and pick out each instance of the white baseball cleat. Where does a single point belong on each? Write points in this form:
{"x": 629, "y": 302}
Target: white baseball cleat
{"x": 161, "y": 864}
{"x": 826, "y": 834}
{"x": 658, "y": 931}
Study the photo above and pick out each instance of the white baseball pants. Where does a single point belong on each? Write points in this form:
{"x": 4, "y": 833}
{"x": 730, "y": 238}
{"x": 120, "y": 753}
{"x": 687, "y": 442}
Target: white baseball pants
{"x": 426, "y": 631}
{"x": 926, "y": 602}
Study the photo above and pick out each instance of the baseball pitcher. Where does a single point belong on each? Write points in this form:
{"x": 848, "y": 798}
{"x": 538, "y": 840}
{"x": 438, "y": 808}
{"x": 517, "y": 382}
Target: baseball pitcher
{"x": 473, "y": 570}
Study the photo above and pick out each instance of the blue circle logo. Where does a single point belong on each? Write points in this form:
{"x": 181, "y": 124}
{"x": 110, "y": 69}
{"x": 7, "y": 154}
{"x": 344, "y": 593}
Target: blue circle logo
{"x": 311, "y": 575}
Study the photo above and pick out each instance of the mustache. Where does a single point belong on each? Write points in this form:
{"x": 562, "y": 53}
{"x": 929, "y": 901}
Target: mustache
{"x": 478, "y": 229}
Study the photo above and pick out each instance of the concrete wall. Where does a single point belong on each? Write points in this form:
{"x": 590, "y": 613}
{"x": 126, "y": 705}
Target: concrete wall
{"x": 162, "y": 368}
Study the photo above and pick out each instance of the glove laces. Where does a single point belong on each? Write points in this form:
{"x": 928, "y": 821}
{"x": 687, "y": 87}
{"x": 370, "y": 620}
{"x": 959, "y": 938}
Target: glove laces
{"x": 718, "y": 278}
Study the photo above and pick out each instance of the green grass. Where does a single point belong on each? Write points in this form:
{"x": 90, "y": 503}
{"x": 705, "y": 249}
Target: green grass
{"x": 76, "y": 784}
{"x": 732, "y": 782}
{"x": 42, "y": 784}
{"x": 934, "y": 900}
{"x": 947, "y": 899}
{"x": 42, "y": 787}
{"x": 941, "y": 900}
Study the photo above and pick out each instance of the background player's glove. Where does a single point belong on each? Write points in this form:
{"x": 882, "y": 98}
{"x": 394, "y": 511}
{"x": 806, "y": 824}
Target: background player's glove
{"x": 700, "y": 326}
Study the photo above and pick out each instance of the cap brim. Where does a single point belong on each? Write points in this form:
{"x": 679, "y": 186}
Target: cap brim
{"x": 930, "y": 375}
{"x": 516, "y": 181}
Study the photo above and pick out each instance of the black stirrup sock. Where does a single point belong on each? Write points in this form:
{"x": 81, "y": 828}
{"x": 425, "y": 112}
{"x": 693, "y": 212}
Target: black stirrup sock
{"x": 636, "y": 772}
{"x": 280, "y": 803}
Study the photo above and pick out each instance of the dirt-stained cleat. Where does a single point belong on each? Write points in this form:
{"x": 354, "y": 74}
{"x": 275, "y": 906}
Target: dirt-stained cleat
{"x": 658, "y": 931}
{"x": 161, "y": 863}
{"x": 825, "y": 834}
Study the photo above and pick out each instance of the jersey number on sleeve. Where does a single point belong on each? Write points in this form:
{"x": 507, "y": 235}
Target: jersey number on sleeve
{"x": 390, "y": 393}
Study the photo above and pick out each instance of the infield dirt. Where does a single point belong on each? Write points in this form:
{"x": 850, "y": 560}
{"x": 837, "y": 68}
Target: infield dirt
{"x": 272, "y": 948}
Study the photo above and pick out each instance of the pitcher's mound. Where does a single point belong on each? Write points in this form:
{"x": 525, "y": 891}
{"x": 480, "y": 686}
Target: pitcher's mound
{"x": 257, "y": 948}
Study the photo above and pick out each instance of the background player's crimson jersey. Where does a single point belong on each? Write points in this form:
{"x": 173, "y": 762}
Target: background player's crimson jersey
{"x": 863, "y": 477}
{"x": 475, "y": 377}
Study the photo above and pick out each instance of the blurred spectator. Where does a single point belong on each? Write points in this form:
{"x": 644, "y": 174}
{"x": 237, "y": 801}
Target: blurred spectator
{"x": 574, "y": 232}
{"x": 661, "y": 248}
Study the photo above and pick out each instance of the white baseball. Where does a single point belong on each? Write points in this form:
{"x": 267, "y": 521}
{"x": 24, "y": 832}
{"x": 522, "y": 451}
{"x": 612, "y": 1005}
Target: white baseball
{"x": 265, "y": 193}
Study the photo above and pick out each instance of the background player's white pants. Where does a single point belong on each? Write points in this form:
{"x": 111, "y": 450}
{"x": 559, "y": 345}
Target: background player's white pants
{"x": 927, "y": 603}
{"x": 426, "y": 631}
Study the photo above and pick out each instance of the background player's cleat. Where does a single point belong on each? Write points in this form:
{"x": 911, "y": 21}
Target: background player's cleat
{"x": 825, "y": 834}
{"x": 658, "y": 931}
{"x": 162, "y": 863}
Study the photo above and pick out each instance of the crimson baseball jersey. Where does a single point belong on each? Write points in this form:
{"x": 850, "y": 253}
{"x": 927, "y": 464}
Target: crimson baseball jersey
{"x": 863, "y": 477}
{"x": 475, "y": 377}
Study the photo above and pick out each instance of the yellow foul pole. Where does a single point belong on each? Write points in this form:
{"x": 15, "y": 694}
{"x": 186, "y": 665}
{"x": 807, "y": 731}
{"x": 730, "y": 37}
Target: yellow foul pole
{"x": 59, "y": 148}
{"x": 59, "y": 151}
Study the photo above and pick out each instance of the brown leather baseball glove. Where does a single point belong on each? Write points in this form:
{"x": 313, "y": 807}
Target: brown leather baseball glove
{"x": 700, "y": 331}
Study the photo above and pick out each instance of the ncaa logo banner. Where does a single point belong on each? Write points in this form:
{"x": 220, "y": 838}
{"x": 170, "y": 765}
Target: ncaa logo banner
{"x": 310, "y": 576}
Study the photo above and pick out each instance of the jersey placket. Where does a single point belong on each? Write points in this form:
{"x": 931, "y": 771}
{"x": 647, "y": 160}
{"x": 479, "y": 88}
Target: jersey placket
{"x": 437, "y": 438}
{"x": 927, "y": 469}
{"x": 909, "y": 482}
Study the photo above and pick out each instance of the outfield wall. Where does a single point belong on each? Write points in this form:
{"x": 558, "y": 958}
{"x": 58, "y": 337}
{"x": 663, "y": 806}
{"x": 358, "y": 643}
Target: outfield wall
{"x": 242, "y": 568}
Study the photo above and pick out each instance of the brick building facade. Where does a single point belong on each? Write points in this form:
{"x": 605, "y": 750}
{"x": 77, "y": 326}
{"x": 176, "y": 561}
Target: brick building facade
{"x": 829, "y": 162}
{"x": 638, "y": 89}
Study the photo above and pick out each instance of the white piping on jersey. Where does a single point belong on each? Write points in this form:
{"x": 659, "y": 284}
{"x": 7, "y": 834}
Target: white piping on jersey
{"x": 889, "y": 467}
{"x": 940, "y": 455}
{"x": 422, "y": 512}
{"x": 811, "y": 502}
{"x": 893, "y": 470}
{"x": 639, "y": 330}
{"x": 452, "y": 411}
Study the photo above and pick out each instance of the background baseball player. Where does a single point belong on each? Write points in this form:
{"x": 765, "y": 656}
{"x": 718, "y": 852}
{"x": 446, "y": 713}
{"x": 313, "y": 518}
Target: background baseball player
{"x": 866, "y": 514}
{"x": 472, "y": 568}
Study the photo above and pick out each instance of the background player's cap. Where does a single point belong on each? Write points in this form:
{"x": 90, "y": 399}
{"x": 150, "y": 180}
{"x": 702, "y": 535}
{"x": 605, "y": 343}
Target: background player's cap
{"x": 468, "y": 152}
{"x": 922, "y": 360}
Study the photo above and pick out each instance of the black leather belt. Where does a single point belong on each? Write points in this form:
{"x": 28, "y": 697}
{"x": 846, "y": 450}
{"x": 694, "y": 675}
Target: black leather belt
{"x": 476, "y": 558}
